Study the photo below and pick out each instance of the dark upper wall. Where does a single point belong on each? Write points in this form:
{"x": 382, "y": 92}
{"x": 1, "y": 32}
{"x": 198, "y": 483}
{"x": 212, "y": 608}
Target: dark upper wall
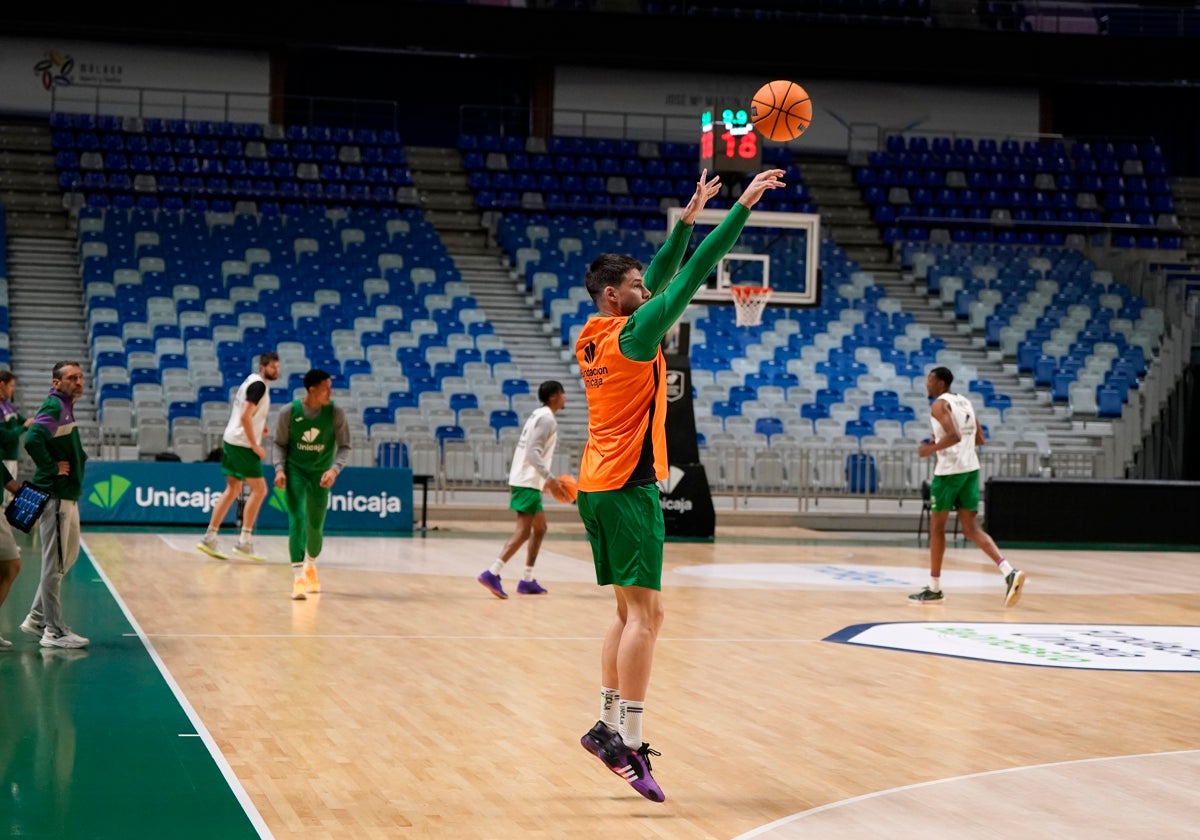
{"x": 435, "y": 57}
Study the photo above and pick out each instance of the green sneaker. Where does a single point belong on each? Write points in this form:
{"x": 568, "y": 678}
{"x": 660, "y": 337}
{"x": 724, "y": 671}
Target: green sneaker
{"x": 925, "y": 595}
{"x": 1014, "y": 581}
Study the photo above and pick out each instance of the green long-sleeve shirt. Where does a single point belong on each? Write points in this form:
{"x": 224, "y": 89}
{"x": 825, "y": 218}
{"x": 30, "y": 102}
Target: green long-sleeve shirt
{"x": 672, "y": 288}
{"x": 53, "y": 437}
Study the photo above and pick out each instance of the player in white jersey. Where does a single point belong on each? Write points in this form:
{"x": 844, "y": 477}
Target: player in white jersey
{"x": 529, "y": 475}
{"x": 242, "y": 456}
{"x": 955, "y": 485}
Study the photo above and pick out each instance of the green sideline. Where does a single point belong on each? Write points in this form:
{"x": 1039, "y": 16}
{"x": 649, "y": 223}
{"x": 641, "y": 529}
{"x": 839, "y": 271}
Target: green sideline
{"x": 100, "y": 743}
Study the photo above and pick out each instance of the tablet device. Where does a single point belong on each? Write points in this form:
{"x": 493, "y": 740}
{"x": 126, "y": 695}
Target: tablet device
{"x": 25, "y": 508}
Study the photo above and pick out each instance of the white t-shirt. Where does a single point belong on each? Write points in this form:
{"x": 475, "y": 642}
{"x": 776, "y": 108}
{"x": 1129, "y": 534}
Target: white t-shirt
{"x": 961, "y": 457}
{"x": 234, "y": 433}
{"x": 535, "y": 450}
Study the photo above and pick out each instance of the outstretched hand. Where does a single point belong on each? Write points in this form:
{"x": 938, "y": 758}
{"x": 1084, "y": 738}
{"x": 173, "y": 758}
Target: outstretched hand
{"x": 706, "y": 188}
{"x": 768, "y": 179}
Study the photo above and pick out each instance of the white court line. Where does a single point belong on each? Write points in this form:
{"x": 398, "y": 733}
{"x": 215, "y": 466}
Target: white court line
{"x": 473, "y": 638}
{"x": 202, "y": 732}
{"x": 763, "y": 830}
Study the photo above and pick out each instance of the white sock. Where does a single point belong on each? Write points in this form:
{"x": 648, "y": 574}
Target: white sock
{"x": 245, "y": 535}
{"x": 497, "y": 565}
{"x": 610, "y": 711}
{"x": 310, "y": 562}
{"x": 529, "y": 573}
{"x": 1005, "y": 567}
{"x": 935, "y": 584}
{"x": 210, "y": 534}
{"x": 298, "y": 571}
{"x": 631, "y": 722}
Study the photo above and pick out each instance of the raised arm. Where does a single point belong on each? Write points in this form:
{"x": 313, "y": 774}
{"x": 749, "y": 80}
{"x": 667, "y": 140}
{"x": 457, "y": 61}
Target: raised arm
{"x": 650, "y": 323}
{"x": 669, "y": 257}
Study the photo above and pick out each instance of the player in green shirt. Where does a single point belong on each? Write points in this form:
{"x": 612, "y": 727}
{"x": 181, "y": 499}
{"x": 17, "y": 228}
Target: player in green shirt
{"x": 312, "y": 445}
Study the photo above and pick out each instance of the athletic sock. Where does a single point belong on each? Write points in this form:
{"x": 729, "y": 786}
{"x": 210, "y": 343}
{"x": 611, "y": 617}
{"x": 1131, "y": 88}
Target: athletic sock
{"x": 935, "y": 584}
{"x": 610, "y": 707}
{"x": 529, "y": 573}
{"x": 1005, "y": 567}
{"x": 310, "y": 562}
{"x": 298, "y": 571}
{"x": 211, "y": 533}
{"x": 246, "y": 535}
{"x": 497, "y": 565}
{"x": 631, "y": 722}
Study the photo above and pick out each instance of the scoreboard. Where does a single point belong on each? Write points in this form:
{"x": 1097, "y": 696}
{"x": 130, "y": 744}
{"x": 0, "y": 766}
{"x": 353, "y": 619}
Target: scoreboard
{"x": 729, "y": 142}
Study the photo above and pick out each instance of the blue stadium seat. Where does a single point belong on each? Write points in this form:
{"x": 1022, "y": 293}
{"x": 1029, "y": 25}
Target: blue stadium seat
{"x": 513, "y": 387}
{"x": 502, "y": 418}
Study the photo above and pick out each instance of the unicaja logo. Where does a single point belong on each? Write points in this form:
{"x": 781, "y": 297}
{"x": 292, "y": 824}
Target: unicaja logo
{"x": 308, "y": 441}
{"x": 279, "y": 496}
{"x": 106, "y": 494}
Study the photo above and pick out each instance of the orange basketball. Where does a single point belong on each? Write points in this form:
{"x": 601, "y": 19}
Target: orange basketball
{"x": 570, "y": 489}
{"x": 781, "y": 110}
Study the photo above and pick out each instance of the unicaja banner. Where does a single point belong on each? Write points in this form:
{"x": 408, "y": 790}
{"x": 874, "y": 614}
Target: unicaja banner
{"x": 167, "y": 493}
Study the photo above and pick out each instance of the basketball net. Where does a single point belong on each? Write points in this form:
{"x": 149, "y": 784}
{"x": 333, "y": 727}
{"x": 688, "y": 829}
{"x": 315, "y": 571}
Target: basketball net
{"x": 749, "y": 303}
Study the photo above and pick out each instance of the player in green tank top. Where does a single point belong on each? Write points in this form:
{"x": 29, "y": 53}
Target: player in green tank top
{"x": 312, "y": 444}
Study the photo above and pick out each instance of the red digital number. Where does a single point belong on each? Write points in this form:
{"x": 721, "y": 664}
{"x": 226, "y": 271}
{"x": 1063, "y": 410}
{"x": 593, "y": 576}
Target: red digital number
{"x": 748, "y": 147}
{"x": 730, "y": 145}
{"x": 706, "y": 145}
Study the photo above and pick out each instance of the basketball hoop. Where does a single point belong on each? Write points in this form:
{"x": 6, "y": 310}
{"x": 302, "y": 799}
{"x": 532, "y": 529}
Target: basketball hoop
{"x": 749, "y": 303}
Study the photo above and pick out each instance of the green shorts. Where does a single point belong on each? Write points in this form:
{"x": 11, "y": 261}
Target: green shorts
{"x": 954, "y": 492}
{"x": 525, "y": 500}
{"x": 240, "y": 461}
{"x": 625, "y": 528}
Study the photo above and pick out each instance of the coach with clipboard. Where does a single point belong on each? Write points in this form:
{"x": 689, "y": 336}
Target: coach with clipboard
{"x": 52, "y": 441}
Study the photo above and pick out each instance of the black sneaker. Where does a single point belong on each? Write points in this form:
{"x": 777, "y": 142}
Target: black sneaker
{"x": 926, "y": 595}
{"x": 596, "y": 738}
{"x": 1014, "y": 581}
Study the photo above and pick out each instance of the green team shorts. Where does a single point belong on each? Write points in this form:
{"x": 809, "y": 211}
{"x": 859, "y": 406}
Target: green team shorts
{"x": 525, "y": 500}
{"x": 954, "y": 492}
{"x": 625, "y": 528}
{"x": 240, "y": 461}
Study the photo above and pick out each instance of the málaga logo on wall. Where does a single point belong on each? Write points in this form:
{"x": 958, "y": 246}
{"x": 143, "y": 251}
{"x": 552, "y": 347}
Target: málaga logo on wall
{"x": 1106, "y": 647}
{"x": 105, "y": 494}
{"x": 54, "y": 69}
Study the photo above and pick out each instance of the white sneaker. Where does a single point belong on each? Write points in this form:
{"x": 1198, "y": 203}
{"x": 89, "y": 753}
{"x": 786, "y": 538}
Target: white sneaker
{"x": 32, "y": 627}
{"x": 5, "y": 644}
{"x": 246, "y": 549}
{"x": 66, "y": 639}
{"x": 209, "y": 546}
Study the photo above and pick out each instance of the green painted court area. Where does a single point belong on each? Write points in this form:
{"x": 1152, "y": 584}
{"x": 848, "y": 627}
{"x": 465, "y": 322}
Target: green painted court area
{"x": 94, "y": 743}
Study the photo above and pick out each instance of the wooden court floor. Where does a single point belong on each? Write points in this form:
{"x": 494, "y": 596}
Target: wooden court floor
{"x": 406, "y": 701}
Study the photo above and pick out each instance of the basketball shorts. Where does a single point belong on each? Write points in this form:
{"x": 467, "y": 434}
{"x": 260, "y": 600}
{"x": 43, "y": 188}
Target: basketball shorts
{"x": 525, "y": 500}
{"x": 240, "y": 461}
{"x": 626, "y": 531}
{"x": 9, "y": 550}
{"x": 954, "y": 492}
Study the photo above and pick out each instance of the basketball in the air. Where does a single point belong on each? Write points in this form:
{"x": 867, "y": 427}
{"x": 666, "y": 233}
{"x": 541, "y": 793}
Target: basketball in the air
{"x": 781, "y": 110}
